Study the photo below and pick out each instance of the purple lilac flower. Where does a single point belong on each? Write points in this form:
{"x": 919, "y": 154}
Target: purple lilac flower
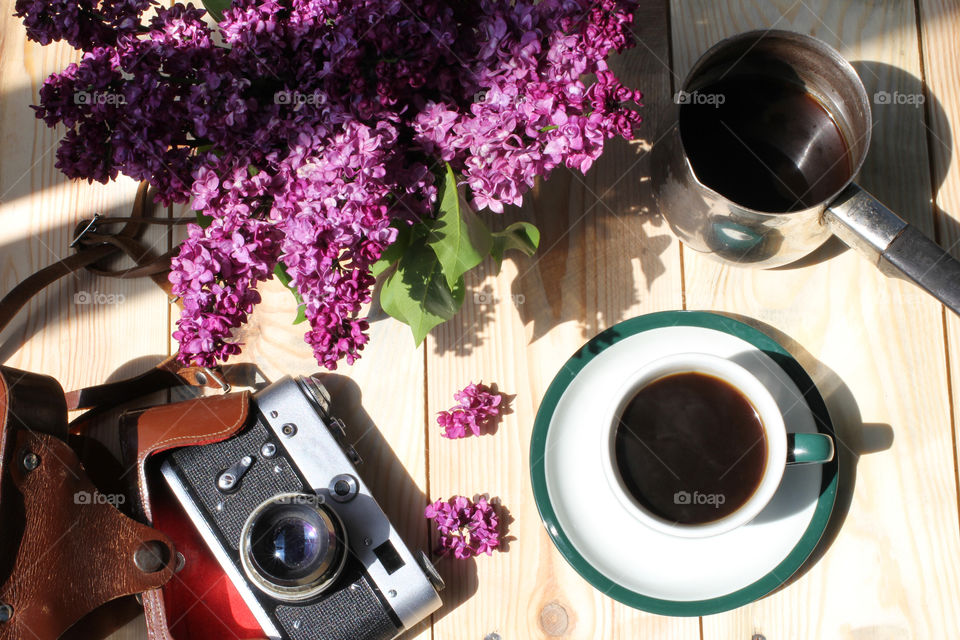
{"x": 477, "y": 405}
{"x": 217, "y": 271}
{"x": 319, "y": 127}
{"x": 83, "y": 23}
{"x": 466, "y": 528}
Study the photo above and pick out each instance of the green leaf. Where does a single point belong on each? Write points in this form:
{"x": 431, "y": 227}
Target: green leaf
{"x": 521, "y": 236}
{"x": 216, "y": 8}
{"x": 394, "y": 252}
{"x": 419, "y": 231}
{"x": 203, "y": 220}
{"x": 459, "y": 238}
{"x": 417, "y": 293}
{"x": 281, "y": 272}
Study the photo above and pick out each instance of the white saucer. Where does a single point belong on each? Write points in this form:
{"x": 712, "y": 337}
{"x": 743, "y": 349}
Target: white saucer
{"x": 608, "y": 545}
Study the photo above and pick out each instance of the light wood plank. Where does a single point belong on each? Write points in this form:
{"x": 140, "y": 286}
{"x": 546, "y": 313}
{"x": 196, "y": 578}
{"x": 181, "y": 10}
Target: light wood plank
{"x": 122, "y": 329}
{"x": 79, "y": 344}
{"x": 892, "y": 572}
{"x": 940, "y": 21}
{"x": 603, "y": 258}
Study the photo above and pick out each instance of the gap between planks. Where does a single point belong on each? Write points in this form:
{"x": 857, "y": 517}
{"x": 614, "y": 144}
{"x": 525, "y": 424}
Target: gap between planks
{"x": 937, "y": 216}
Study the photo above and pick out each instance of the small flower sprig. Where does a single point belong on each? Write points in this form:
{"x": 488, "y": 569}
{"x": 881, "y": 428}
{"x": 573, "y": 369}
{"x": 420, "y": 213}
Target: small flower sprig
{"x": 477, "y": 406}
{"x": 466, "y": 528}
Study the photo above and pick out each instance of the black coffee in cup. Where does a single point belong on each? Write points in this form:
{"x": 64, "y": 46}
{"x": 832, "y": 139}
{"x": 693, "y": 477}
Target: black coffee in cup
{"x": 690, "y": 448}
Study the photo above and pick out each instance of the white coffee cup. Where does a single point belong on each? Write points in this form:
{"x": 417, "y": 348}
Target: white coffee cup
{"x": 802, "y": 448}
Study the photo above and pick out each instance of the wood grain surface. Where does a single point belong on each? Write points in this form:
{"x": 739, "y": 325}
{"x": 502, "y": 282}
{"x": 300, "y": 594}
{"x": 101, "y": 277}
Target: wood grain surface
{"x": 883, "y": 353}
{"x": 940, "y": 22}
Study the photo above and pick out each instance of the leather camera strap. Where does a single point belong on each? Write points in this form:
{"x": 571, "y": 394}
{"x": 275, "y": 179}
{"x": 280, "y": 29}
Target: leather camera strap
{"x": 93, "y": 247}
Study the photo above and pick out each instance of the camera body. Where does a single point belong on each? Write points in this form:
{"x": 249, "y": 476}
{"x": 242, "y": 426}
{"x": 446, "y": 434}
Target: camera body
{"x": 295, "y": 528}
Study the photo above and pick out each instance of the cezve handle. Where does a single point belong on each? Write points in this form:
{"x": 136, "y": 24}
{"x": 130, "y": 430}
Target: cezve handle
{"x": 899, "y": 249}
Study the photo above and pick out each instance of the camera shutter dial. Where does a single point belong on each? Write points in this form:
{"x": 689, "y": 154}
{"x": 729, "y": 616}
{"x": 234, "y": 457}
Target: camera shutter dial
{"x": 343, "y": 487}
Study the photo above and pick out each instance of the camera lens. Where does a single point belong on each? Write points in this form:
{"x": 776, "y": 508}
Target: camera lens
{"x": 288, "y": 546}
{"x": 292, "y": 546}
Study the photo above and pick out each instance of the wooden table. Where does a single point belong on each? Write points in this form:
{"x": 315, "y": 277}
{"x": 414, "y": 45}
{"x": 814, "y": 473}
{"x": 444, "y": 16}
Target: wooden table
{"x": 884, "y": 354}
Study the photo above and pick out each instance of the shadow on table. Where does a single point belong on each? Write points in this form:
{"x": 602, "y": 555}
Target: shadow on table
{"x": 20, "y": 181}
{"x": 854, "y": 438}
{"x": 602, "y": 242}
{"x": 397, "y": 493}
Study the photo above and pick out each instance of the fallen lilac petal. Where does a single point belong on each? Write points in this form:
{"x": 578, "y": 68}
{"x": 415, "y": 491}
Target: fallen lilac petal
{"x": 465, "y": 527}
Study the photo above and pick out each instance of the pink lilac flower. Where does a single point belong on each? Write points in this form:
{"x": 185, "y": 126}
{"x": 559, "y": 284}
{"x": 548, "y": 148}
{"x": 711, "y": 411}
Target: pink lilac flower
{"x": 466, "y": 528}
{"x": 309, "y": 130}
{"x": 476, "y": 407}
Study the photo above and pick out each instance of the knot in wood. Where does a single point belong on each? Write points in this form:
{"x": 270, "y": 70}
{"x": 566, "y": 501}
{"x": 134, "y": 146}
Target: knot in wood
{"x": 554, "y": 619}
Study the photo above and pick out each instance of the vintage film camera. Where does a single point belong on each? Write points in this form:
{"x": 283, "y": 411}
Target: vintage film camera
{"x": 297, "y": 531}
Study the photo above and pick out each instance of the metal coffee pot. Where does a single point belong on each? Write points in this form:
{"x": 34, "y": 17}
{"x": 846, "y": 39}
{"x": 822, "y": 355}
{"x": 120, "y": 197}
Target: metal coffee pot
{"x": 709, "y": 221}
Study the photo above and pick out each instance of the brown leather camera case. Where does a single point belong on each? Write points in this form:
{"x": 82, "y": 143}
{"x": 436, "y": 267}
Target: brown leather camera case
{"x": 64, "y": 549}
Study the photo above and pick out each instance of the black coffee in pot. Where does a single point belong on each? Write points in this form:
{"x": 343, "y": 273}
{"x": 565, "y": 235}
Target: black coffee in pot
{"x": 764, "y": 142}
{"x": 690, "y": 448}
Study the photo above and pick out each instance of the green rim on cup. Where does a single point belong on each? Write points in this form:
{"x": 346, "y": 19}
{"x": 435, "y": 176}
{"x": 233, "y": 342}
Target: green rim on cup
{"x": 758, "y": 589}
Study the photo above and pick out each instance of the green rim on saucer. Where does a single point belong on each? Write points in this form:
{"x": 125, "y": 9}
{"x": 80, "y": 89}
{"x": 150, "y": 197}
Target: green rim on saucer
{"x": 779, "y": 574}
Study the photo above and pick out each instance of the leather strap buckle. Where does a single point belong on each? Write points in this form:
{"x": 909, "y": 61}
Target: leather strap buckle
{"x": 206, "y": 374}
{"x": 86, "y": 229}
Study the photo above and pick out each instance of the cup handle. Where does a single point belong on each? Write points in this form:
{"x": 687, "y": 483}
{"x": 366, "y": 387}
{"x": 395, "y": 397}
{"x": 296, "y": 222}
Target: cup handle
{"x": 809, "y": 448}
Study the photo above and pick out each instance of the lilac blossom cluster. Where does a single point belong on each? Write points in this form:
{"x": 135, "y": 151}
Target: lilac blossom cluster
{"x": 466, "y": 528}
{"x": 476, "y": 406}
{"x": 308, "y": 131}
